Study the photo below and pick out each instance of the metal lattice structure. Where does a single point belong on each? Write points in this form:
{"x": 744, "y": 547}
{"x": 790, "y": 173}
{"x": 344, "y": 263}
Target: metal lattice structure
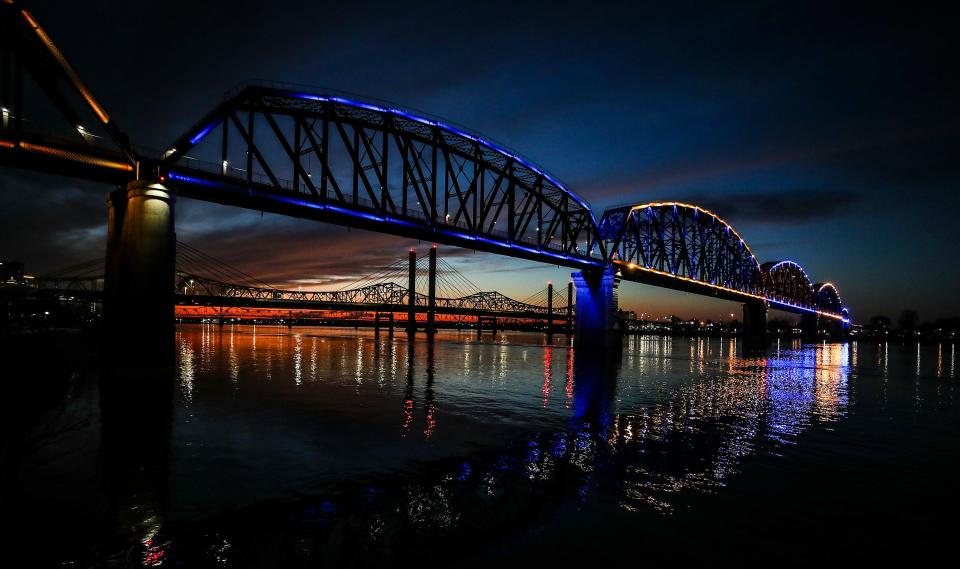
{"x": 374, "y": 166}
{"x": 827, "y": 298}
{"x": 680, "y": 241}
{"x": 687, "y": 247}
{"x": 785, "y": 282}
{"x": 91, "y": 145}
{"x": 383, "y": 296}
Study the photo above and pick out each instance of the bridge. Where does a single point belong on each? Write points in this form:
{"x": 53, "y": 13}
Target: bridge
{"x": 361, "y": 163}
{"x": 208, "y": 288}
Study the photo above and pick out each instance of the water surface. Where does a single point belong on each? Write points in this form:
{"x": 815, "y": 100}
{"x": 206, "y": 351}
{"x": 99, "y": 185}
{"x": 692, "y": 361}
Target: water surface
{"x": 307, "y": 446}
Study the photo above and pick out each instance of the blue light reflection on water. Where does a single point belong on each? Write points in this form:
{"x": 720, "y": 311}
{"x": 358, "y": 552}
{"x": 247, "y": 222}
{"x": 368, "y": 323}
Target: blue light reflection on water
{"x": 471, "y": 395}
{"x": 375, "y": 450}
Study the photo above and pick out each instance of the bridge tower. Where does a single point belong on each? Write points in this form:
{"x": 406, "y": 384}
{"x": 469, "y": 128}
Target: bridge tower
{"x": 549, "y": 309}
{"x": 569, "y": 308}
{"x": 596, "y": 321}
{"x": 432, "y": 293}
{"x": 139, "y": 279}
{"x": 412, "y": 295}
{"x": 755, "y": 324}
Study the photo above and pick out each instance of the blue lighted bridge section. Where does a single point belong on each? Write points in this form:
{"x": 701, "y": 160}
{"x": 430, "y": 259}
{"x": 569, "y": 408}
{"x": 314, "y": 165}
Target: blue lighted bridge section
{"x": 381, "y": 168}
{"x": 374, "y": 166}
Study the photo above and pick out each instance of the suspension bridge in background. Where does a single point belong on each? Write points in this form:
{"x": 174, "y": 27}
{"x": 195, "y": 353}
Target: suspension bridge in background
{"x": 208, "y": 289}
{"x": 337, "y": 158}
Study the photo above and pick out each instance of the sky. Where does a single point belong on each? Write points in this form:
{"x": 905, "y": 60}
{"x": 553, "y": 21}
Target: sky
{"x": 824, "y": 134}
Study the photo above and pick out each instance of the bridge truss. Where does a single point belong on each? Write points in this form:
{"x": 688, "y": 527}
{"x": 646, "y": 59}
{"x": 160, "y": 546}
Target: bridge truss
{"x": 375, "y": 166}
{"x": 371, "y": 165}
{"x": 686, "y": 247}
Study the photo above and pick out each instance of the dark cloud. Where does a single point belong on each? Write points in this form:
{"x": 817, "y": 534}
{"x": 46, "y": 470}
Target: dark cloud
{"x": 796, "y": 206}
{"x": 289, "y": 252}
{"x": 49, "y": 222}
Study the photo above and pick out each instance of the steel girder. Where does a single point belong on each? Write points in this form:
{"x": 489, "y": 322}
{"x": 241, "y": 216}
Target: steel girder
{"x": 786, "y": 282}
{"x": 374, "y": 166}
{"x": 28, "y": 54}
{"x": 689, "y": 248}
{"x": 379, "y": 167}
{"x": 682, "y": 241}
{"x": 827, "y": 298}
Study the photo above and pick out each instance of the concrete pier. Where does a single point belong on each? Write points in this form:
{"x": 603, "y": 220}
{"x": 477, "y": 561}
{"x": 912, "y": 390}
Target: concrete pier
{"x": 139, "y": 279}
{"x": 596, "y": 317}
{"x": 755, "y": 324}
{"x": 809, "y": 327}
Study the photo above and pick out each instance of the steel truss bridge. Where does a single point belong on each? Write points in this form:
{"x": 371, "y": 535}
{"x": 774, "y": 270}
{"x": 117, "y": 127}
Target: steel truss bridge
{"x": 381, "y": 297}
{"x": 360, "y": 163}
{"x": 203, "y": 281}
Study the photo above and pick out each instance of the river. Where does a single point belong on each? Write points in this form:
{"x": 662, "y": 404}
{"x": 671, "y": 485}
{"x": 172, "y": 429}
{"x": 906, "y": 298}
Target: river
{"x": 271, "y": 446}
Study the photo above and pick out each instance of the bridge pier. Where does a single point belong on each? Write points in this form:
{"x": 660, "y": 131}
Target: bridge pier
{"x": 139, "y": 279}
{"x": 596, "y": 321}
{"x": 809, "y": 327}
{"x": 755, "y": 324}
{"x": 837, "y": 329}
{"x": 388, "y": 317}
{"x": 491, "y": 322}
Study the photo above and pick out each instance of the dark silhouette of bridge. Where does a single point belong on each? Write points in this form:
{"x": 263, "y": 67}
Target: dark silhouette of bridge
{"x": 204, "y": 282}
{"x": 336, "y": 158}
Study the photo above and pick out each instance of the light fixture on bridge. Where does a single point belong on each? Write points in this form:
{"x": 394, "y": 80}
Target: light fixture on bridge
{"x": 225, "y": 167}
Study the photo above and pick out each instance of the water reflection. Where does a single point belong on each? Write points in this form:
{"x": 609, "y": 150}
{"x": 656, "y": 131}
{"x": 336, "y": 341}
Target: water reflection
{"x": 638, "y": 427}
{"x": 136, "y": 415}
{"x": 342, "y": 447}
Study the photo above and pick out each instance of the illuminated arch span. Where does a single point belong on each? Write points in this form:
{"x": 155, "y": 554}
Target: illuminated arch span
{"x": 786, "y": 282}
{"x": 684, "y": 241}
{"x": 827, "y": 298}
{"x": 376, "y": 166}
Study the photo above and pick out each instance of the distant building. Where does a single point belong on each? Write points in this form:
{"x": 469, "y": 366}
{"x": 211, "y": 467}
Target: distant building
{"x": 11, "y": 272}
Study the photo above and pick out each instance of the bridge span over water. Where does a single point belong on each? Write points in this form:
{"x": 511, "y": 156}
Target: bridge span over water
{"x": 361, "y": 163}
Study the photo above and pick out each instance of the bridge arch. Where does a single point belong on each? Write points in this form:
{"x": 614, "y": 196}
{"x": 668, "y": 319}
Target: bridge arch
{"x": 787, "y": 282}
{"x": 827, "y": 298}
{"x": 684, "y": 241}
{"x": 376, "y": 166}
